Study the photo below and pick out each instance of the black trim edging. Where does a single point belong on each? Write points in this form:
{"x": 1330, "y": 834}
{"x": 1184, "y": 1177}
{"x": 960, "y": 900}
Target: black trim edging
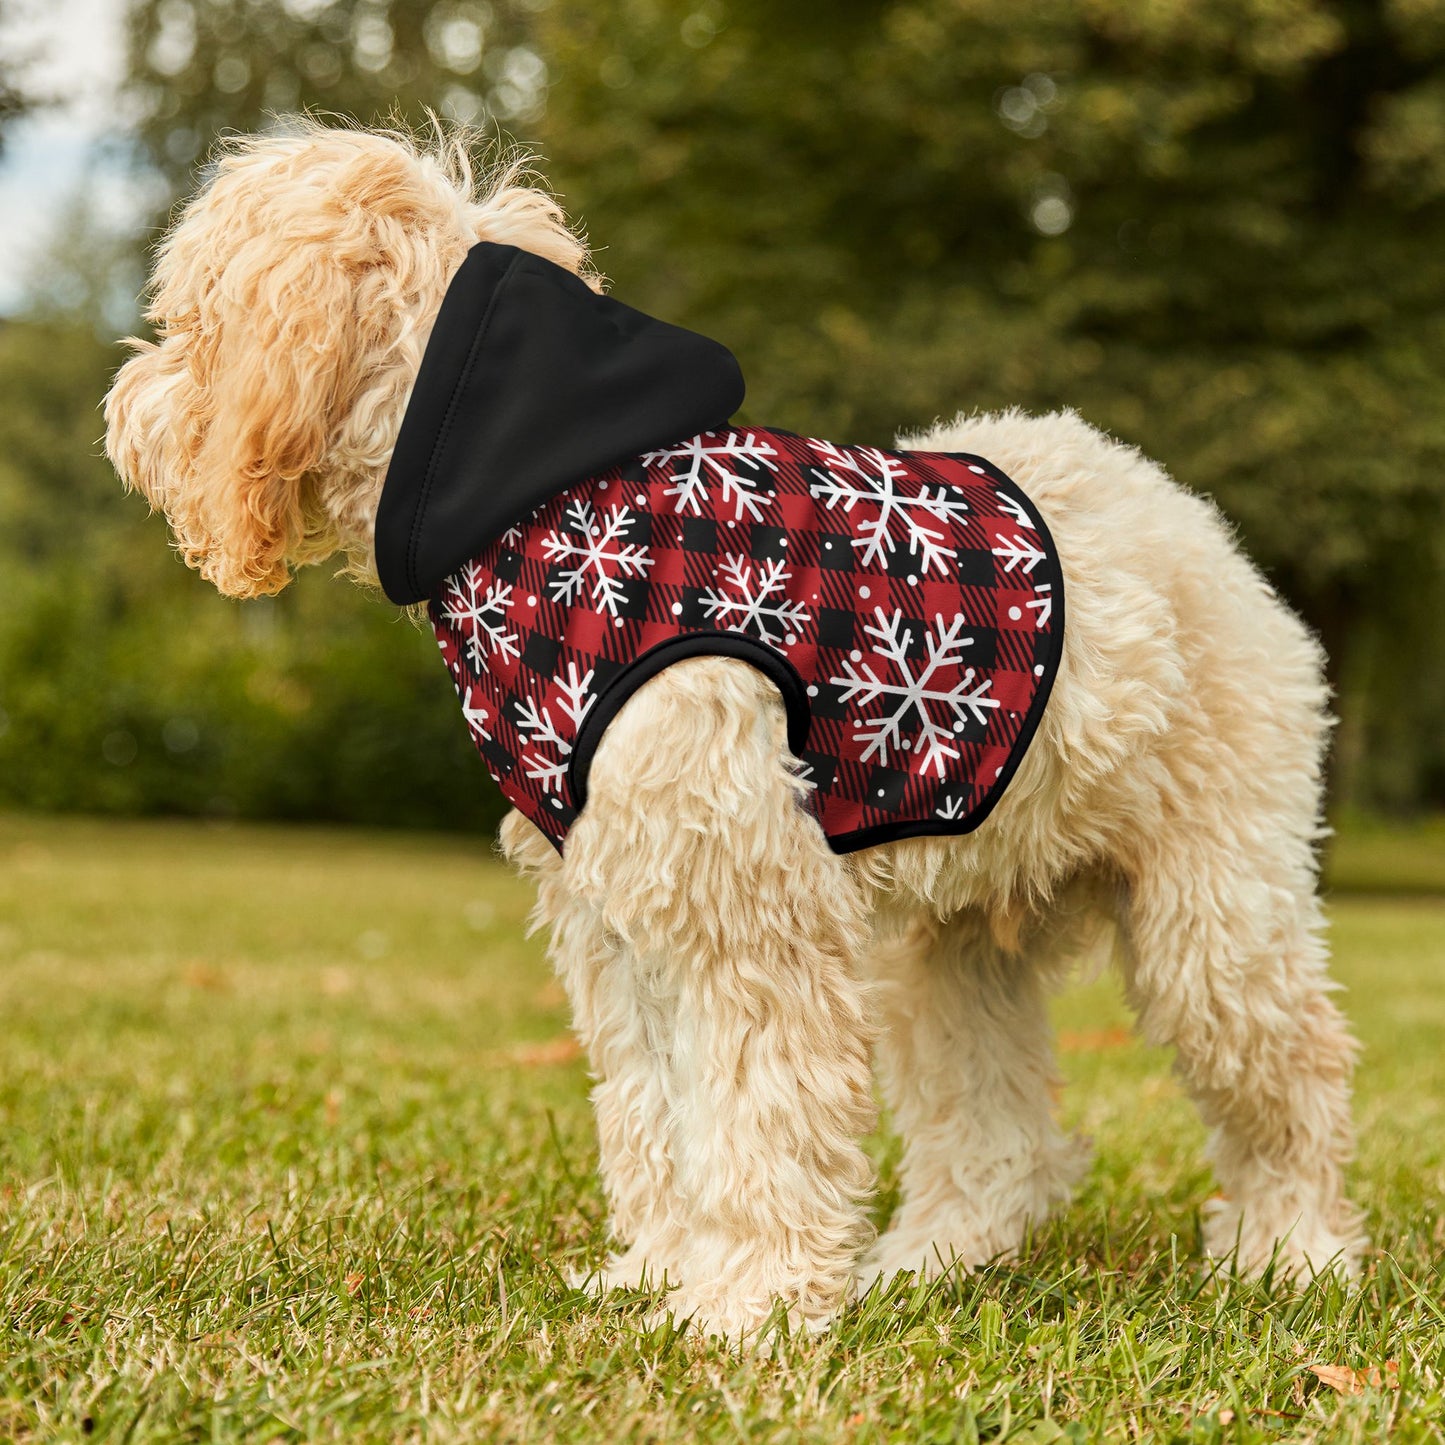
{"x": 712, "y": 643}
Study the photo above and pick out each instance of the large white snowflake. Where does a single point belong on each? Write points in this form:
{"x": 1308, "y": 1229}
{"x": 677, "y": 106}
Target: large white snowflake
{"x": 709, "y": 458}
{"x": 596, "y": 549}
{"x": 741, "y": 601}
{"x": 865, "y": 474}
{"x": 941, "y": 711}
{"x": 478, "y": 609}
{"x": 534, "y": 723}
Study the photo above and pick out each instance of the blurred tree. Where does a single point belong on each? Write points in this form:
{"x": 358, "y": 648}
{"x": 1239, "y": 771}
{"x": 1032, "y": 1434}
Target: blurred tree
{"x": 1215, "y": 229}
{"x": 58, "y": 495}
{"x": 202, "y": 67}
{"x": 127, "y": 685}
{"x": 15, "y": 97}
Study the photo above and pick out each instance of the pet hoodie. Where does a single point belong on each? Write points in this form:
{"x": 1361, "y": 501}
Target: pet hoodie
{"x": 568, "y": 496}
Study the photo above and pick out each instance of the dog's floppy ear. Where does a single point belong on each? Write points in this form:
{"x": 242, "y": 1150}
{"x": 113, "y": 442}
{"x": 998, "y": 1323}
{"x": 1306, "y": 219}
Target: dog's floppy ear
{"x": 277, "y": 353}
{"x": 279, "y": 290}
{"x": 221, "y": 422}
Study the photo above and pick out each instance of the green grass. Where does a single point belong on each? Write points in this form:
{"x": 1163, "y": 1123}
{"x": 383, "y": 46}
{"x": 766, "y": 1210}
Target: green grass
{"x": 284, "y": 1155}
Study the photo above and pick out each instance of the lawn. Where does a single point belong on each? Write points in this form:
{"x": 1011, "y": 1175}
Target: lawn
{"x": 293, "y": 1146}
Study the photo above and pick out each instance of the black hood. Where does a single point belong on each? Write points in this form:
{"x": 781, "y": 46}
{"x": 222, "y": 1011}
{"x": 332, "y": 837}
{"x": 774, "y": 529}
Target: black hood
{"x": 530, "y": 383}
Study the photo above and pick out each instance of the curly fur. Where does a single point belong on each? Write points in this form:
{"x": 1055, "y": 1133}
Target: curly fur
{"x": 730, "y": 977}
{"x": 292, "y": 301}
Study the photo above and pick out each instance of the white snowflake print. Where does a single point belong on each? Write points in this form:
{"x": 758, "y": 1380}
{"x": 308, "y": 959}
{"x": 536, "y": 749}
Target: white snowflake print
{"x": 949, "y": 809}
{"x": 1042, "y": 605}
{"x": 708, "y": 458}
{"x": 911, "y": 698}
{"x": 477, "y": 716}
{"x": 761, "y": 605}
{"x": 595, "y": 548}
{"x": 1012, "y": 507}
{"x": 538, "y": 730}
{"x": 868, "y": 475}
{"x": 1018, "y": 551}
{"x": 478, "y": 609}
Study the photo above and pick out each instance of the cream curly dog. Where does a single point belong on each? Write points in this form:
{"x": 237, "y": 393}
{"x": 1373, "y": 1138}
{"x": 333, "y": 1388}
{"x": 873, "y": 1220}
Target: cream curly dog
{"x": 732, "y": 977}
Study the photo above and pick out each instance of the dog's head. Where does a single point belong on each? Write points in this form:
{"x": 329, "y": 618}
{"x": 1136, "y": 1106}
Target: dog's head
{"x": 292, "y": 300}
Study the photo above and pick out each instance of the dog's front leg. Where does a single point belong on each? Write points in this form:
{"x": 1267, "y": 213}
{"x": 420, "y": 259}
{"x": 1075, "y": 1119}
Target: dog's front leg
{"x": 742, "y": 930}
{"x": 624, "y": 1024}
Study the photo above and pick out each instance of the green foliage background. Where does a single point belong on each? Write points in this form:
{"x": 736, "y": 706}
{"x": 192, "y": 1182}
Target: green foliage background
{"x": 1215, "y": 228}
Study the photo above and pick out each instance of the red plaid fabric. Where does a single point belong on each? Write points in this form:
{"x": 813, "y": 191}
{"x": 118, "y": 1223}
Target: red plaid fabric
{"x": 910, "y": 606}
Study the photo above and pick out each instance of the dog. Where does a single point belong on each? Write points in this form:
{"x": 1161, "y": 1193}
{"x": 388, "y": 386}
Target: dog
{"x": 731, "y": 975}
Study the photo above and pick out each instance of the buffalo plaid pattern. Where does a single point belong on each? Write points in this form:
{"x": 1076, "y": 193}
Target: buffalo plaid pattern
{"x": 913, "y": 600}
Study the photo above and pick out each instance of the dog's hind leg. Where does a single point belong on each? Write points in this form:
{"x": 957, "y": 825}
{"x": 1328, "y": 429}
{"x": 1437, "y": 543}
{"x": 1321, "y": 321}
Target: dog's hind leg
{"x": 742, "y": 930}
{"x": 1225, "y": 961}
{"x": 966, "y": 1060}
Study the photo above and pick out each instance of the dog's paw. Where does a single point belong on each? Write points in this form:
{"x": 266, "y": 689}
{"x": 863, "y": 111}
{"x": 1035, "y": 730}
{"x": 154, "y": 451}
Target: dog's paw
{"x": 964, "y": 1229}
{"x": 1298, "y": 1248}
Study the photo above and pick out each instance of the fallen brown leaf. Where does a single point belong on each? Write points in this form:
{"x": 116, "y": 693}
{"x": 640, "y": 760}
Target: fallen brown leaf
{"x": 203, "y": 975}
{"x": 354, "y": 1283}
{"x": 1347, "y": 1381}
{"x": 561, "y": 1050}
{"x": 335, "y": 982}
